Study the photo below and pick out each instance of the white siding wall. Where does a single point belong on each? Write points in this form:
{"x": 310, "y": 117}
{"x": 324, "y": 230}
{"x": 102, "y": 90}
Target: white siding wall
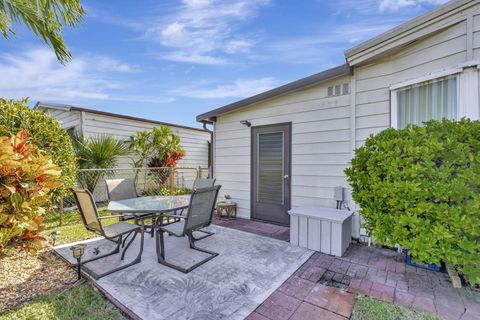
{"x": 320, "y": 145}
{"x": 323, "y": 132}
{"x": 439, "y": 52}
{"x": 68, "y": 119}
{"x": 195, "y": 142}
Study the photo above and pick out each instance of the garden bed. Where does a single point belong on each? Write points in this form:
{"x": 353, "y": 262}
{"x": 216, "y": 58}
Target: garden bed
{"x": 23, "y": 277}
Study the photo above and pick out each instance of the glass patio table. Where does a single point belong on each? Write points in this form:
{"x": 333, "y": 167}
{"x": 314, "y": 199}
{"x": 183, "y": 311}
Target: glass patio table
{"x": 151, "y": 207}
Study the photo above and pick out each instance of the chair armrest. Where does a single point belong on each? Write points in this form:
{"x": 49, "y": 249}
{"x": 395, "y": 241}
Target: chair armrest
{"x": 160, "y": 218}
{"x": 176, "y": 216}
{"x": 116, "y": 216}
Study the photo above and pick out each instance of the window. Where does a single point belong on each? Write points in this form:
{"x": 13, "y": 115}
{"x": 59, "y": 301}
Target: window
{"x": 434, "y": 99}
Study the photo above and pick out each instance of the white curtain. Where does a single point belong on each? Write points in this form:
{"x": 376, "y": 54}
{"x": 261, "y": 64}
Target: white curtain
{"x": 436, "y": 99}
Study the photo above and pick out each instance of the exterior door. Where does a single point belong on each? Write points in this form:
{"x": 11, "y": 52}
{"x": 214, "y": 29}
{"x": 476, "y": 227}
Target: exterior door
{"x": 270, "y": 198}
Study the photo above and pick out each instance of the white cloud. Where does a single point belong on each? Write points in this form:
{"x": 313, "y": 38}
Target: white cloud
{"x": 203, "y": 31}
{"x": 395, "y": 5}
{"x": 192, "y": 58}
{"x": 241, "y": 88}
{"x": 37, "y": 74}
{"x": 106, "y": 63}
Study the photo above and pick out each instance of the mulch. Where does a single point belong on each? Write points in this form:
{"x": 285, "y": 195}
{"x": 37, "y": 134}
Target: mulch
{"x": 23, "y": 276}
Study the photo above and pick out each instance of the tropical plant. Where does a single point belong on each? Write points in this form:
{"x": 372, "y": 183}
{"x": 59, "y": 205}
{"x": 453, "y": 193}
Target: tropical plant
{"x": 45, "y": 18}
{"x": 160, "y": 142}
{"x": 27, "y": 180}
{"x": 97, "y": 152}
{"x": 162, "y": 167}
{"x": 420, "y": 188}
{"x": 45, "y": 132}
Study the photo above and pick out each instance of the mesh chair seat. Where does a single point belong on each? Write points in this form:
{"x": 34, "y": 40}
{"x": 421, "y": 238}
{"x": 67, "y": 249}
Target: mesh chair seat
{"x": 121, "y": 189}
{"x": 199, "y": 215}
{"x": 114, "y": 232}
{"x": 119, "y": 228}
{"x": 203, "y": 183}
{"x": 175, "y": 228}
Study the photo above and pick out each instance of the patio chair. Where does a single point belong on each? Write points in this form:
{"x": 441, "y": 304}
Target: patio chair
{"x": 197, "y": 184}
{"x": 203, "y": 183}
{"x": 199, "y": 215}
{"x": 114, "y": 232}
{"x": 121, "y": 189}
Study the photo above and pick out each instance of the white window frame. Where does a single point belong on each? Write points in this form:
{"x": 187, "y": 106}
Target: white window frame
{"x": 466, "y": 87}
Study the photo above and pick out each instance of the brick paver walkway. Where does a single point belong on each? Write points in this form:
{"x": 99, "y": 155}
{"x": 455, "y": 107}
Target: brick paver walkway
{"x": 325, "y": 286}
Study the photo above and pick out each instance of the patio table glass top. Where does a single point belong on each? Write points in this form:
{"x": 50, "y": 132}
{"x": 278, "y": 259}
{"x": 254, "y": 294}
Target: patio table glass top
{"x": 151, "y": 204}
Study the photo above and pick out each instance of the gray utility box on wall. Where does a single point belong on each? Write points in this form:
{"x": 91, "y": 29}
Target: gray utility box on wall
{"x": 321, "y": 229}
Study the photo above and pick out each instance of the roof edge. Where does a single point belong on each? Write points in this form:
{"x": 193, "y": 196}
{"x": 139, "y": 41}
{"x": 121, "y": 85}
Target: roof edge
{"x": 405, "y": 27}
{"x": 66, "y": 107}
{"x": 290, "y": 87}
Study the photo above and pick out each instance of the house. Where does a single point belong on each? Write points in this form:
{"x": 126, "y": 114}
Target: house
{"x": 289, "y": 146}
{"x": 89, "y": 122}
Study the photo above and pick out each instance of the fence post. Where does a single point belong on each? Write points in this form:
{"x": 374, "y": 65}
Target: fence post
{"x": 61, "y": 211}
{"x": 172, "y": 180}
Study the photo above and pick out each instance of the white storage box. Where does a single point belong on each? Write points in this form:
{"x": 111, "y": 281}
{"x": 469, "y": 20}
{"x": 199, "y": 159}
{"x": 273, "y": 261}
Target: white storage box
{"x": 321, "y": 229}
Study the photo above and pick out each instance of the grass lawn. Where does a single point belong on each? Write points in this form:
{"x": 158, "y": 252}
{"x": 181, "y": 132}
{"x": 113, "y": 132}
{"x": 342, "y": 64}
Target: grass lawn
{"x": 72, "y": 228}
{"x": 81, "y": 302}
{"x": 371, "y": 309}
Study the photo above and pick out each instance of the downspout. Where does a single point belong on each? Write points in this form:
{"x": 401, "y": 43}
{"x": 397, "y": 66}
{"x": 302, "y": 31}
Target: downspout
{"x": 212, "y": 157}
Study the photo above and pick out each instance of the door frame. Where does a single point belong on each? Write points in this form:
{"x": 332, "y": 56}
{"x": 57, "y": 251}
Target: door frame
{"x": 252, "y": 171}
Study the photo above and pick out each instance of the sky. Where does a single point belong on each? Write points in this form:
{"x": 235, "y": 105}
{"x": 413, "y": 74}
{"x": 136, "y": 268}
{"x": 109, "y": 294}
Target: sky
{"x": 172, "y": 60}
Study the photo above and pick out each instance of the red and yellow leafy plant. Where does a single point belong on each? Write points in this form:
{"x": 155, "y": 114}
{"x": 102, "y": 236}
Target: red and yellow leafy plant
{"x": 27, "y": 179}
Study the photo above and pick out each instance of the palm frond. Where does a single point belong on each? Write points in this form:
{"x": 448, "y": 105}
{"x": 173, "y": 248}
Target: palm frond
{"x": 45, "y": 18}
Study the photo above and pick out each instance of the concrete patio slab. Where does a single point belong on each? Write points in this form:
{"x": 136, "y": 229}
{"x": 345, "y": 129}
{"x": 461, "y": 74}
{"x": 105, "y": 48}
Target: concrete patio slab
{"x": 378, "y": 273}
{"x": 247, "y": 271}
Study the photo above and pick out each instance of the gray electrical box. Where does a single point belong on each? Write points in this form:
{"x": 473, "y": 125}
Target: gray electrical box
{"x": 339, "y": 194}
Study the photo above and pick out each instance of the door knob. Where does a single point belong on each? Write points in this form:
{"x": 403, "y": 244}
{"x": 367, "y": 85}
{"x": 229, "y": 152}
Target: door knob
{"x": 285, "y": 176}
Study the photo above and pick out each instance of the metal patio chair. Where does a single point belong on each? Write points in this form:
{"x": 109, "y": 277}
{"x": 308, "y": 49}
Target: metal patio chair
{"x": 121, "y": 189}
{"x": 198, "y": 184}
{"x": 199, "y": 215}
{"x": 203, "y": 183}
{"x": 114, "y": 232}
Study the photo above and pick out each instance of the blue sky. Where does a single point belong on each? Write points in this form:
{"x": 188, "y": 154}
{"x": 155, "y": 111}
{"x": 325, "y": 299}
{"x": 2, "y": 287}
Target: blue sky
{"x": 171, "y": 60}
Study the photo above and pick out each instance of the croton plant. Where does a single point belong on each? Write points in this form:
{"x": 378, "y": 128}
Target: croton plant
{"x": 27, "y": 179}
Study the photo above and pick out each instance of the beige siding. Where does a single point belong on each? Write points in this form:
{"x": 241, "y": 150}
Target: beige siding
{"x": 441, "y": 51}
{"x": 194, "y": 142}
{"x": 320, "y": 145}
{"x": 68, "y": 119}
{"x": 476, "y": 36}
{"x": 325, "y": 129}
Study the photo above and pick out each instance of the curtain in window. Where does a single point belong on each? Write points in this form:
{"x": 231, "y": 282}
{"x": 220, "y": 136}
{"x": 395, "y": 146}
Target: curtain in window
{"x": 435, "y": 99}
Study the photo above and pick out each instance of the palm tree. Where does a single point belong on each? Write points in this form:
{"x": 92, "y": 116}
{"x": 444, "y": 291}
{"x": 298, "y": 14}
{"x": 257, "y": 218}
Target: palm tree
{"x": 98, "y": 152}
{"x": 45, "y": 18}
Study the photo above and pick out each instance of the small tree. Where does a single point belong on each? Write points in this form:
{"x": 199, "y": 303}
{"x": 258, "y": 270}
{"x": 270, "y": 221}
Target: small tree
{"x": 46, "y": 133}
{"x": 420, "y": 187}
{"x": 158, "y": 148}
{"x": 161, "y": 143}
{"x": 27, "y": 180}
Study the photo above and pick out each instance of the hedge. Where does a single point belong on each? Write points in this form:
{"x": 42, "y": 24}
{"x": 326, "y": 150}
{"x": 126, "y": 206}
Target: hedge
{"x": 45, "y": 132}
{"x": 419, "y": 187}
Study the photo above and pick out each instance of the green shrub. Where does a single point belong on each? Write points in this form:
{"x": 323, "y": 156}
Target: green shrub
{"x": 27, "y": 180}
{"x": 45, "y": 132}
{"x": 163, "y": 191}
{"x": 420, "y": 187}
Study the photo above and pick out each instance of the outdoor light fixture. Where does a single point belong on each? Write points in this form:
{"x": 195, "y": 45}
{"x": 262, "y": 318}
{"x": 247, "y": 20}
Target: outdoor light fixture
{"x": 246, "y": 123}
{"x": 77, "y": 251}
{"x": 54, "y": 236}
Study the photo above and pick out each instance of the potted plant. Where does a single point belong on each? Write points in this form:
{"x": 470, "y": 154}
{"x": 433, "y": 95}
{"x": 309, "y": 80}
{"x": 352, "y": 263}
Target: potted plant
{"x": 228, "y": 198}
